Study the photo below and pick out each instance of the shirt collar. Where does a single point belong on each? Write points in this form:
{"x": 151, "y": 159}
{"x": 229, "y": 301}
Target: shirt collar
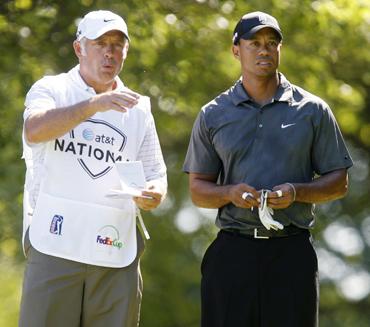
{"x": 74, "y": 74}
{"x": 283, "y": 93}
{"x": 238, "y": 93}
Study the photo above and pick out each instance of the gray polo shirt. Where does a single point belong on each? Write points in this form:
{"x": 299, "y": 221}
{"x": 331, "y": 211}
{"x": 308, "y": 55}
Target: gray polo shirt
{"x": 288, "y": 140}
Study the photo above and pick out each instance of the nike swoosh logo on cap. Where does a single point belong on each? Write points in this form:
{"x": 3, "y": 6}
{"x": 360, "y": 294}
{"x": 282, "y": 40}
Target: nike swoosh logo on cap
{"x": 287, "y": 125}
{"x": 107, "y": 20}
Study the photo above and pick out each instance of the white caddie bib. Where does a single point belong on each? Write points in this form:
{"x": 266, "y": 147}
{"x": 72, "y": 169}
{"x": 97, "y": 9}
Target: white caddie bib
{"x": 72, "y": 218}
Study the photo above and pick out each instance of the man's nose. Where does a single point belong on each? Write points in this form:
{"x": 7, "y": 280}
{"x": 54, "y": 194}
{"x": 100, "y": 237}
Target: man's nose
{"x": 109, "y": 51}
{"x": 263, "y": 48}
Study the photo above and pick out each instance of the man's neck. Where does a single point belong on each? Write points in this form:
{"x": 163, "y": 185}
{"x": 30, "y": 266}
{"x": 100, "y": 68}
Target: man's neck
{"x": 105, "y": 87}
{"x": 98, "y": 87}
{"x": 261, "y": 89}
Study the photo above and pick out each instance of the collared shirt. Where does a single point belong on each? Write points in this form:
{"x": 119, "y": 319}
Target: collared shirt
{"x": 288, "y": 140}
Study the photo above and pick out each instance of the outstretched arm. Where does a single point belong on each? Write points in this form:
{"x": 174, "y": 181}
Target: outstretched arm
{"x": 48, "y": 124}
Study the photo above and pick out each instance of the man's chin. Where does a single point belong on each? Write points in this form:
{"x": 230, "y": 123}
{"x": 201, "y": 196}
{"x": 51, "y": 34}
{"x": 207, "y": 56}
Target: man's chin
{"x": 108, "y": 77}
{"x": 266, "y": 72}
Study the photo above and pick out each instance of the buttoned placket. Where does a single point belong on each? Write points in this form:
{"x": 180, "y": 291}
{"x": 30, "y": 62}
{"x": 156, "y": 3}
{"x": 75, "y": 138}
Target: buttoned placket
{"x": 259, "y": 122}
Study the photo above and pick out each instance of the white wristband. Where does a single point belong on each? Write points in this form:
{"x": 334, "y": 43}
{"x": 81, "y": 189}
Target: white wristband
{"x": 294, "y": 191}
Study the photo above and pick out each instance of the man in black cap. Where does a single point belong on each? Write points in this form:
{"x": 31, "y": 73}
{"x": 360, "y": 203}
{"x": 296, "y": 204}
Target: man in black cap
{"x": 263, "y": 153}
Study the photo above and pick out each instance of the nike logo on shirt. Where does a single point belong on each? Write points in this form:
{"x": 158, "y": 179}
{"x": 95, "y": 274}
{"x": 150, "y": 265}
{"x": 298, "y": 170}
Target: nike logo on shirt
{"x": 287, "y": 125}
{"x": 108, "y": 20}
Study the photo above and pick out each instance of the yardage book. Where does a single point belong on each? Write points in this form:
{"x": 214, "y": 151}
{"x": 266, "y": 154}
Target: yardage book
{"x": 132, "y": 179}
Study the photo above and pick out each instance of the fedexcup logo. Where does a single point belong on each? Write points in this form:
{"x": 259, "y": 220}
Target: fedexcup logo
{"x": 109, "y": 236}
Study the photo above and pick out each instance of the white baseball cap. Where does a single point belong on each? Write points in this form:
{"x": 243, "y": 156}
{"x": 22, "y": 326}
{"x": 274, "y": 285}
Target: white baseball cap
{"x": 96, "y": 23}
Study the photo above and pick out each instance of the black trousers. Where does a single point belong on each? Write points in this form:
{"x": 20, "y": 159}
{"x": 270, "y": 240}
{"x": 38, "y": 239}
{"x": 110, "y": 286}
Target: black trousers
{"x": 250, "y": 282}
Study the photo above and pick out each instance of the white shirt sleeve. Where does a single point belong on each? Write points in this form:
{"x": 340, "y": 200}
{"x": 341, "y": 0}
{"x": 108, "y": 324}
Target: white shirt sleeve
{"x": 150, "y": 154}
{"x": 39, "y": 97}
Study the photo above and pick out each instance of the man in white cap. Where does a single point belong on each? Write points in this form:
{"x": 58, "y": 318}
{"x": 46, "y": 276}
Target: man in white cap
{"x": 254, "y": 154}
{"x": 82, "y": 247}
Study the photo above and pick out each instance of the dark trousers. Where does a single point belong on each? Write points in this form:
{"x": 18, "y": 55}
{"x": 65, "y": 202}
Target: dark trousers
{"x": 250, "y": 282}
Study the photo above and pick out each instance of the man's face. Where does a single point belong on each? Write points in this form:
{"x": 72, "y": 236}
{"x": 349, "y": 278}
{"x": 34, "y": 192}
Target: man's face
{"x": 101, "y": 60}
{"x": 260, "y": 55}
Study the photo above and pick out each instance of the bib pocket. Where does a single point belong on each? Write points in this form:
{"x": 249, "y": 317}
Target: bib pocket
{"x": 84, "y": 232}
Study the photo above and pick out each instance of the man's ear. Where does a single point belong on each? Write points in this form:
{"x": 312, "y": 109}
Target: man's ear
{"x": 77, "y": 48}
{"x": 125, "y": 49}
{"x": 235, "y": 49}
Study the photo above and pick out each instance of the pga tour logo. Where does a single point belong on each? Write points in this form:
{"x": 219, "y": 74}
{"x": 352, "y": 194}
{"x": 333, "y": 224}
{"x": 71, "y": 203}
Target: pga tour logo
{"x": 56, "y": 225}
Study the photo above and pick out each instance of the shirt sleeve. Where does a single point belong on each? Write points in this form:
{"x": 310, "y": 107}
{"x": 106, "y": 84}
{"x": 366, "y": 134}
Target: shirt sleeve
{"x": 39, "y": 97}
{"x": 201, "y": 156}
{"x": 329, "y": 149}
{"x": 150, "y": 154}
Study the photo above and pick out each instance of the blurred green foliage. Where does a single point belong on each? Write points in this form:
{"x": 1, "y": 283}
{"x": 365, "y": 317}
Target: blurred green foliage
{"x": 180, "y": 56}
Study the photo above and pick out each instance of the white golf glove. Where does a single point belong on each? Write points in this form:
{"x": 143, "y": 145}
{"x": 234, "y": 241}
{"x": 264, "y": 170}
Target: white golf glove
{"x": 265, "y": 213}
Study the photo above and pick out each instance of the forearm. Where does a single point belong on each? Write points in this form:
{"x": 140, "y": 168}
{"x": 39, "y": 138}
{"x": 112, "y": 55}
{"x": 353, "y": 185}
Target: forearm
{"x": 207, "y": 194}
{"x": 327, "y": 187}
{"x": 52, "y": 123}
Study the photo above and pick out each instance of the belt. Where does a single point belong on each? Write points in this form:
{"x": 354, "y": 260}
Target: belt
{"x": 263, "y": 233}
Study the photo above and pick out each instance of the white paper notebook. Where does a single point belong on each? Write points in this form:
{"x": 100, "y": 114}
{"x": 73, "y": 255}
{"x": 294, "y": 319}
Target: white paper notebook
{"x": 132, "y": 179}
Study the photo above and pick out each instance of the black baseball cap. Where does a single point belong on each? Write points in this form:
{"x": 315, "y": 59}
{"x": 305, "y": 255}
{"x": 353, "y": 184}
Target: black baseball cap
{"x": 251, "y": 23}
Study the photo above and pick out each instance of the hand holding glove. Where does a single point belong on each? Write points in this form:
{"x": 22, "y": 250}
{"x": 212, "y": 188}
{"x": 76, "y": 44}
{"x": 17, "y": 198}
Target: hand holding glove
{"x": 265, "y": 213}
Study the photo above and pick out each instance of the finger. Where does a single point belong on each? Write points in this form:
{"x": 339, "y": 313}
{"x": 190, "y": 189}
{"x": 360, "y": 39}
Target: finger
{"x": 142, "y": 204}
{"x": 128, "y": 91}
{"x": 152, "y": 195}
{"x": 150, "y": 200}
{"x": 119, "y": 105}
{"x": 248, "y": 203}
{"x": 251, "y": 196}
{"x": 245, "y": 195}
{"x": 119, "y": 108}
{"x": 276, "y": 225}
{"x": 127, "y": 98}
{"x": 256, "y": 195}
{"x": 267, "y": 226}
{"x": 275, "y": 194}
{"x": 275, "y": 201}
{"x": 273, "y": 227}
{"x": 125, "y": 103}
